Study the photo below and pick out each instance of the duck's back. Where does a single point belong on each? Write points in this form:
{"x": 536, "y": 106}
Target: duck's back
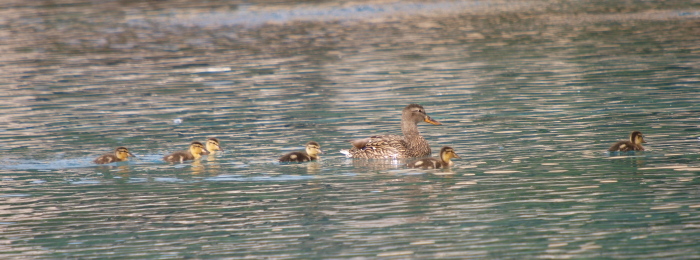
{"x": 107, "y": 158}
{"x": 178, "y": 157}
{"x": 297, "y": 157}
{"x": 427, "y": 163}
{"x": 387, "y": 146}
{"x": 625, "y": 146}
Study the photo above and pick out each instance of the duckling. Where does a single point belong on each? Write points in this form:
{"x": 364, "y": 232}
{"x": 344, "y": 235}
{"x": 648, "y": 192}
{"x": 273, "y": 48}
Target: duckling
{"x": 120, "y": 154}
{"x": 445, "y": 160}
{"x": 213, "y": 146}
{"x": 634, "y": 144}
{"x": 311, "y": 153}
{"x": 195, "y": 152}
{"x": 410, "y": 145}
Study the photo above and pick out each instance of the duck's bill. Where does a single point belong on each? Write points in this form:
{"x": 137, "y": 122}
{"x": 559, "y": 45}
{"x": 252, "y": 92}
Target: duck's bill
{"x": 432, "y": 121}
{"x": 456, "y": 156}
{"x": 131, "y": 154}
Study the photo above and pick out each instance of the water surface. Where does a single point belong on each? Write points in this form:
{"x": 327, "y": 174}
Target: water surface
{"x": 530, "y": 94}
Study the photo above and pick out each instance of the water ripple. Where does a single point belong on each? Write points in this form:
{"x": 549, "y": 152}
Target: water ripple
{"x": 531, "y": 94}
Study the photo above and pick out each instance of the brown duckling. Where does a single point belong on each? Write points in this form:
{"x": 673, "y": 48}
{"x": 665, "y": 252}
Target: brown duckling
{"x": 410, "y": 145}
{"x": 120, "y": 154}
{"x": 311, "y": 153}
{"x": 634, "y": 144}
{"x": 195, "y": 152}
{"x": 445, "y": 160}
{"x": 213, "y": 145}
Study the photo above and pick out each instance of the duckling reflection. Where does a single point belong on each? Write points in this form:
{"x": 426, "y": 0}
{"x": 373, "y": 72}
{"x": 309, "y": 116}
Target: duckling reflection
{"x": 197, "y": 167}
{"x": 195, "y": 152}
{"x": 313, "y": 167}
{"x": 123, "y": 170}
{"x": 634, "y": 144}
{"x": 311, "y": 153}
{"x": 445, "y": 160}
{"x": 120, "y": 154}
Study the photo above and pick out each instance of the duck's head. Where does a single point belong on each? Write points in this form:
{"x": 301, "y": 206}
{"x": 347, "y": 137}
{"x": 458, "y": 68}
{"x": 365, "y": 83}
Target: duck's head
{"x": 313, "y": 148}
{"x": 213, "y": 145}
{"x": 636, "y": 137}
{"x": 197, "y": 149}
{"x": 416, "y": 113}
{"x": 447, "y": 153}
{"x": 123, "y": 153}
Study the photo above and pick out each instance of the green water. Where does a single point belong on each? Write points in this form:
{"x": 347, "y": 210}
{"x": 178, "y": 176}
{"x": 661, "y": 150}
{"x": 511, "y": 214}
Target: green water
{"x": 530, "y": 95}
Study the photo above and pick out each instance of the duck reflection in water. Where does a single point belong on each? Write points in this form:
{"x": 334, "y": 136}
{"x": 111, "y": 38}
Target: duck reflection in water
{"x": 197, "y": 167}
{"x": 379, "y": 164}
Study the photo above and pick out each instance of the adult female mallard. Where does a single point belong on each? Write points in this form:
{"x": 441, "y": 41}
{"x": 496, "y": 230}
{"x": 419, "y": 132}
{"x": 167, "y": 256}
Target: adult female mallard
{"x": 213, "y": 145}
{"x": 311, "y": 153}
{"x": 195, "y": 152}
{"x": 445, "y": 160}
{"x": 411, "y": 144}
{"x": 634, "y": 144}
{"x": 120, "y": 154}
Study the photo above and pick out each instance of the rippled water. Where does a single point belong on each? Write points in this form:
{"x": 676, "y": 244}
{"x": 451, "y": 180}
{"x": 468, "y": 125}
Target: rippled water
{"x": 530, "y": 94}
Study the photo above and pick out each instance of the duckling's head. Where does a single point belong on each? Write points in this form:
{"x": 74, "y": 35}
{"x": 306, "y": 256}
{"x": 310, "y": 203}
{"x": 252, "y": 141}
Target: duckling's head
{"x": 636, "y": 137}
{"x": 447, "y": 153}
{"x": 313, "y": 148}
{"x": 213, "y": 145}
{"x": 197, "y": 149}
{"x": 416, "y": 113}
{"x": 123, "y": 153}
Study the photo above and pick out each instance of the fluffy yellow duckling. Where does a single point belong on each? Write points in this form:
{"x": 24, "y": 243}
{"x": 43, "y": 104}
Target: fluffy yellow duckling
{"x": 213, "y": 145}
{"x": 311, "y": 153}
{"x": 445, "y": 160}
{"x": 120, "y": 154}
{"x": 634, "y": 144}
{"x": 195, "y": 152}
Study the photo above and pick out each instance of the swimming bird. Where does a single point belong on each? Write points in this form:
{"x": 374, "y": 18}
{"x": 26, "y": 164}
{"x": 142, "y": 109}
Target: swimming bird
{"x": 120, "y": 154}
{"x": 195, "y": 152}
{"x": 634, "y": 144}
{"x": 445, "y": 160}
{"x": 410, "y": 145}
{"x": 213, "y": 145}
{"x": 311, "y": 153}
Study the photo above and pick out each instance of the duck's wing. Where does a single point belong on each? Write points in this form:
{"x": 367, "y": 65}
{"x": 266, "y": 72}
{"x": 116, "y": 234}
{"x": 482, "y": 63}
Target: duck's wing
{"x": 378, "y": 146}
{"x": 180, "y": 156}
{"x": 623, "y": 146}
{"x": 107, "y": 158}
